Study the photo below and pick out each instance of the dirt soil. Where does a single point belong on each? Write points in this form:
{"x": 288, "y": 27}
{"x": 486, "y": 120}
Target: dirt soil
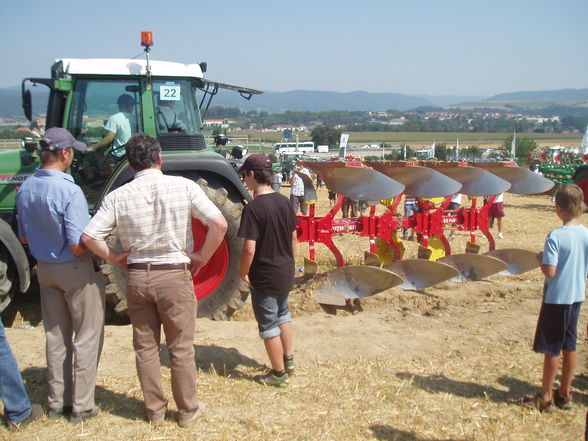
{"x": 444, "y": 363}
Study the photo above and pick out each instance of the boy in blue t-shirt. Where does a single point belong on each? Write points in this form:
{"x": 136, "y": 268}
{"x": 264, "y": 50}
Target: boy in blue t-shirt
{"x": 564, "y": 262}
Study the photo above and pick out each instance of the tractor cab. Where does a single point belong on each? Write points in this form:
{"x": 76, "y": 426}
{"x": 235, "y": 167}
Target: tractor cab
{"x": 103, "y": 102}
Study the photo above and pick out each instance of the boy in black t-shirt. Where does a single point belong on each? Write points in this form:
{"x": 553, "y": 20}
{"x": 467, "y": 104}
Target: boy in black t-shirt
{"x": 268, "y": 227}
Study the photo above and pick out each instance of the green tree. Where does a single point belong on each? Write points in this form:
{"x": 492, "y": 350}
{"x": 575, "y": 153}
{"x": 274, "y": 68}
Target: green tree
{"x": 441, "y": 151}
{"x": 471, "y": 152}
{"x": 523, "y": 147}
{"x": 325, "y": 135}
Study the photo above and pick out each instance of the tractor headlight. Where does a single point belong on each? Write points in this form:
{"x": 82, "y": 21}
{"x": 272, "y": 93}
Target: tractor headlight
{"x": 29, "y": 144}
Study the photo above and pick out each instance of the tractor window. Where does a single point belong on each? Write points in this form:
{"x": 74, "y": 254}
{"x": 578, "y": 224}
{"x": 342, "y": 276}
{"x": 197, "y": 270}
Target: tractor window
{"x": 99, "y": 106}
{"x": 103, "y": 114}
{"x": 176, "y": 107}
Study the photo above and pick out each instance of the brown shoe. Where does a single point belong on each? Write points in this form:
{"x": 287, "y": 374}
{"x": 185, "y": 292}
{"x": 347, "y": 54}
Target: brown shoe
{"x": 538, "y": 403}
{"x": 188, "y": 422}
{"x": 564, "y": 403}
{"x": 36, "y": 413}
{"x": 157, "y": 421}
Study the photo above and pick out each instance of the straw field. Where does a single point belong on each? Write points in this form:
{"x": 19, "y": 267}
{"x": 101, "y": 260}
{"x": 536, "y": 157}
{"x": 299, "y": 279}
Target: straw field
{"x": 446, "y": 363}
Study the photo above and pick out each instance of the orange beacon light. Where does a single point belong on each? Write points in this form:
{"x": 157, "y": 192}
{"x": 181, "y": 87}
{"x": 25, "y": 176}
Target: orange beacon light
{"x": 146, "y": 38}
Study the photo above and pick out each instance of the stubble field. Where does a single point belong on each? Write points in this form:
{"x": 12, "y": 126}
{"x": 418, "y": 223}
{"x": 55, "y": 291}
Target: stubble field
{"x": 446, "y": 363}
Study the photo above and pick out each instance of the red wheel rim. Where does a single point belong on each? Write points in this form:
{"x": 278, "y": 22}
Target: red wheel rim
{"x": 210, "y": 276}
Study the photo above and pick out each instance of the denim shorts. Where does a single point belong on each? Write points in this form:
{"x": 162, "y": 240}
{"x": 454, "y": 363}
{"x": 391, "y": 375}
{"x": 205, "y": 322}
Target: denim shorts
{"x": 271, "y": 311}
{"x": 557, "y": 328}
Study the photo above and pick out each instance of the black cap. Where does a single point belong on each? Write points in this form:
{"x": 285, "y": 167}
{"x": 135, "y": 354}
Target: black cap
{"x": 256, "y": 161}
{"x": 57, "y": 138}
{"x": 125, "y": 99}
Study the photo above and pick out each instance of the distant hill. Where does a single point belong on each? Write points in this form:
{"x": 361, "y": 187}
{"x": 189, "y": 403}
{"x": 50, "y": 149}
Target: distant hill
{"x": 558, "y": 95}
{"x": 447, "y": 100}
{"x": 314, "y": 101}
{"x": 11, "y": 102}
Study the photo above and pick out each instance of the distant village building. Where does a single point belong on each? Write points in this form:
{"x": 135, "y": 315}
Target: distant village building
{"x": 282, "y": 127}
{"x": 222, "y": 123}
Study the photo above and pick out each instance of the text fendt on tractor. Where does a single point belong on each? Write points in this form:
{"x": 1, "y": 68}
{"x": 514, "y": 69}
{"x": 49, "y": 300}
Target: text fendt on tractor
{"x": 83, "y": 95}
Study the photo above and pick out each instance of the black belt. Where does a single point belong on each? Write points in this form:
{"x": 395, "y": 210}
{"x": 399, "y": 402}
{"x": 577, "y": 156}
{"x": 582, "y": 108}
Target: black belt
{"x": 163, "y": 266}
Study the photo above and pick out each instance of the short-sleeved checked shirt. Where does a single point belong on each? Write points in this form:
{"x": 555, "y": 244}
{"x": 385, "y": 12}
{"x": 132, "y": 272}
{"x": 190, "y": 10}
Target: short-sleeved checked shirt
{"x": 297, "y": 185}
{"x": 153, "y": 217}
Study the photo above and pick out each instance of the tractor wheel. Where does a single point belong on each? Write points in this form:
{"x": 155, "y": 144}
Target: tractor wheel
{"x": 581, "y": 180}
{"x": 218, "y": 287}
{"x": 116, "y": 281}
{"x": 8, "y": 279}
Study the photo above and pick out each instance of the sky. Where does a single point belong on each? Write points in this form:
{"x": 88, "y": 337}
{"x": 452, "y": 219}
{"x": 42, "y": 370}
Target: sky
{"x": 430, "y": 47}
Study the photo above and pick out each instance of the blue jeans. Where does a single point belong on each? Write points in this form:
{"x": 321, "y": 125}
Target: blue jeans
{"x": 17, "y": 406}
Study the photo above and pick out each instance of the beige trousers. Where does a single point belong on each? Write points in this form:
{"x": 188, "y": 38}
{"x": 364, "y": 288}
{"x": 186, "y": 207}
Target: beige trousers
{"x": 72, "y": 305}
{"x": 157, "y": 298}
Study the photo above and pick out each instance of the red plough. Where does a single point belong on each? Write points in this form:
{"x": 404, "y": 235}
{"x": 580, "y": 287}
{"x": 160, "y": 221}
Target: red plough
{"x": 376, "y": 181}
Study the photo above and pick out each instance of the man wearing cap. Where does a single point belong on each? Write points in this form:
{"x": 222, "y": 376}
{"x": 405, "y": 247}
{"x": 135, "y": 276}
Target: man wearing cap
{"x": 153, "y": 217}
{"x": 118, "y": 127}
{"x": 268, "y": 229}
{"x": 52, "y": 213}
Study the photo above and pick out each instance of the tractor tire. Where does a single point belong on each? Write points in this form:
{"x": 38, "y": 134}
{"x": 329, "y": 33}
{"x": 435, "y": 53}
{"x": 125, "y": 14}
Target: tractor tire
{"x": 581, "y": 180}
{"x": 8, "y": 279}
{"x": 218, "y": 287}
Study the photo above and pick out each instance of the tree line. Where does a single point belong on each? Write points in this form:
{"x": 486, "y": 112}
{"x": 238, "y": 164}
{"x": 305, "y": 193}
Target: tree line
{"x": 328, "y": 135}
{"x": 414, "y": 121}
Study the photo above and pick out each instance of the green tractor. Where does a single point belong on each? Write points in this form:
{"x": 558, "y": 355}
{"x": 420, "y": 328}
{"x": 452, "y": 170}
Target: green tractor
{"x": 83, "y": 95}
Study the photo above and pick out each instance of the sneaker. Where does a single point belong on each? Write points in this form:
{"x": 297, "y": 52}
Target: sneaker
{"x": 270, "y": 379}
{"x": 55, "y": 414}
{"x": 36, "y": 413}
{"x": 78, "y": 417}
{"x": 500, "y": 236}
{"x": 564, "y": 403}
{"x": 188, "y": 422}
{"x": 289, "y": 365}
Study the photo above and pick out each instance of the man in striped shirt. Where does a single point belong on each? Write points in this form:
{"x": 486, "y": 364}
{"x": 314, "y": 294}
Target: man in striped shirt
{"x": 153, "y": 217}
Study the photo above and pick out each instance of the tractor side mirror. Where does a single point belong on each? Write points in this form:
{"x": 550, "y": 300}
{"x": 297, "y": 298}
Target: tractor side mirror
{"x": 27, "y": 104}
{"x": 29, "y": 144}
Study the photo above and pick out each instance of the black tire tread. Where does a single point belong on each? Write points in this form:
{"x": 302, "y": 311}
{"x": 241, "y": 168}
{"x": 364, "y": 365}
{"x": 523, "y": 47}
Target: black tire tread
{"x": 7, "y": 285}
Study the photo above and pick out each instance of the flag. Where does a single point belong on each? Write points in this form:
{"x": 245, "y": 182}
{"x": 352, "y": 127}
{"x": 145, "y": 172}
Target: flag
{"x": 513, "y": 145}
{"x": 457, "y": 150}
{"x": 584, "y": 146}
{"x": 343, "y": 146}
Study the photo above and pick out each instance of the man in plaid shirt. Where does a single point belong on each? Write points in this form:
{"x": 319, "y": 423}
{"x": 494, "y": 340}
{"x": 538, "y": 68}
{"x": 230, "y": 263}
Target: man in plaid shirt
{"x": 297, "y": 191}
{"x": 153, "y": 217}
